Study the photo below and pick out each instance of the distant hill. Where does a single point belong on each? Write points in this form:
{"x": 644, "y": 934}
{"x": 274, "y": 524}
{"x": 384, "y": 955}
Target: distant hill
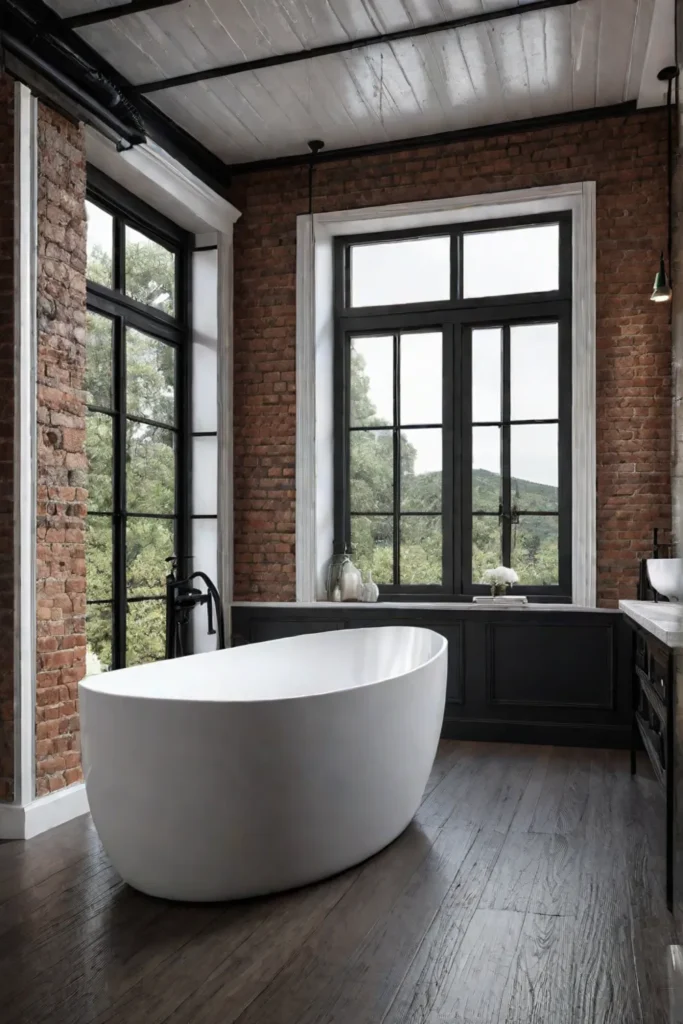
{"x": 532, "y": 497}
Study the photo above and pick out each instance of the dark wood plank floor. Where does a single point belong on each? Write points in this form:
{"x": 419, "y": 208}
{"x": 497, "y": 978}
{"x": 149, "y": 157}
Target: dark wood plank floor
{"x": 529, "y": 890}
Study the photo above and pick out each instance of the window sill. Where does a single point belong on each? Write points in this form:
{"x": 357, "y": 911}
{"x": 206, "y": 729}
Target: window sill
{"x": 475, "y": 609}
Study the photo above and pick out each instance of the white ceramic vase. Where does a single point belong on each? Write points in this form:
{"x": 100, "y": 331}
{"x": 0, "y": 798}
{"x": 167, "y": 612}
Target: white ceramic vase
{"x": 370, "y": 590}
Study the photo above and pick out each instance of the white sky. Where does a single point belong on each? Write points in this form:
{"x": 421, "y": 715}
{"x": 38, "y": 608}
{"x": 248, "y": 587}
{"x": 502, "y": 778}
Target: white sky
{"x": 534, "y": 388}
{"x": 505, "y": 262}
{"x": 99, "y": 228}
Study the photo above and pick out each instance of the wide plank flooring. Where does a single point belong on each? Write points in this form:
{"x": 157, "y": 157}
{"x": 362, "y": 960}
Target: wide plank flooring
{"x": 528, "y": 890}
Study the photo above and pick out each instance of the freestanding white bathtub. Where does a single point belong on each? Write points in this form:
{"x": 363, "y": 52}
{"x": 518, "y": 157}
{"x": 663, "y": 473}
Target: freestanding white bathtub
{"x": 243, "y": 772}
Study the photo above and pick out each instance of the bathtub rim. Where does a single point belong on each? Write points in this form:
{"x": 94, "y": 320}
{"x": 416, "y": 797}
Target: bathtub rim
{"x": 277, "y": 699}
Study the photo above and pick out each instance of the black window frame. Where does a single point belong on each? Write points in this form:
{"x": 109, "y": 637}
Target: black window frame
{"x": 456, "y": 317}
{"x": 113, "y": 303}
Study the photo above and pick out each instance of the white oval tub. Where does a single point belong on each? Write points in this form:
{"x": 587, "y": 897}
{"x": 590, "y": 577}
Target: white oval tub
{"x": 243, "y": 772}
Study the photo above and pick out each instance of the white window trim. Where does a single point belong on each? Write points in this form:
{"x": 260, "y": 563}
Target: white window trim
{"x": 166, "y": 185}
{"x": 314, "y": 350}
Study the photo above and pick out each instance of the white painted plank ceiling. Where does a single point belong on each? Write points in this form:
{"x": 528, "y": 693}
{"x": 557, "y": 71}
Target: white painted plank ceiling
{"x": 570, "y": 58}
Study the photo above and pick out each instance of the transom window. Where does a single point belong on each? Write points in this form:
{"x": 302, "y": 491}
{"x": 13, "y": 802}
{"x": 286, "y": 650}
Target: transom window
{"x": 136, "y": 384}
{"x": 453, "y": 406}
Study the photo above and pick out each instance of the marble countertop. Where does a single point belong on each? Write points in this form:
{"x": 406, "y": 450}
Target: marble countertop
{"x": 664, "y": 621}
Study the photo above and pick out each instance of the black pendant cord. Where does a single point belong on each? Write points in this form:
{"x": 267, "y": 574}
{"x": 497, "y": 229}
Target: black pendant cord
{"x": 669, "y": 75}
{"x": 315, "y": 145}
{"x": 670, "y": 174}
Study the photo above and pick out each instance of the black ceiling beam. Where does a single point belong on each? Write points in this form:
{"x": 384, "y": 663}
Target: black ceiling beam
{"x": 413, "y": 32}
{"x": 117, "y": 11}
{"x": 45, "y": 24}
{"x": 485, "y": 131}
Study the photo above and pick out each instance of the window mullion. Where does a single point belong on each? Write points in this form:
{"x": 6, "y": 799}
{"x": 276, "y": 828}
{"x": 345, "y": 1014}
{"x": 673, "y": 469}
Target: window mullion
{"x": 462, "y": 465}
{"x": 397, "y": 461}
{"x": 451, "y": 510}
{"x": 120, "y": 604}
{"x": 505, "y": 451}
{"x": 119, "y": 255}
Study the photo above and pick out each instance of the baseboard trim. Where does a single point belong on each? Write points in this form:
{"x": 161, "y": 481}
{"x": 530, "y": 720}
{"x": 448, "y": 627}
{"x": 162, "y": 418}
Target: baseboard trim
{"x": 43, "y": 813}
{"x": 553, "y": 733}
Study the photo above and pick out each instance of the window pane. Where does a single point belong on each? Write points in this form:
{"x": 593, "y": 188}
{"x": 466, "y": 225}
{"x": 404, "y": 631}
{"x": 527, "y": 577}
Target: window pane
{"x": 533, "y": 460}
{"x": 486, "y": 482}
{"x": 372, "y": 382}
{"x": 393, "y": 273}
{"x": 372, "y": 546}
{"x": 148, "y": 543}
{"x": 150, "y": 469}
{"x": 204, "y": 476}
{"x": 508, "y": 261}
{"x": 205, "y": 547}
{"x": 99, "y": 245}
{"x": 145, "y": 632}
{"x": 98, "y": 632}
{"x": 150, "y": 377}
{"x": 421, "y": 465}
{"x": 421, "y": 550}
{"x": 99, "y": 447}
{"x": 487, "y": 548}
{"x": 535, "y": 551}
{"x": 371, "y": 481}
{"x": 150, "y": 271}
{"x": 205, "y": 551}
{"x": 486, "y": 374}
{"x": 205, "y": 340}
{"x": 534, "y": 378}
{"x": 421, "y": 378}
{"x": 98, "y": 558}
{"x": 99, "y": 369}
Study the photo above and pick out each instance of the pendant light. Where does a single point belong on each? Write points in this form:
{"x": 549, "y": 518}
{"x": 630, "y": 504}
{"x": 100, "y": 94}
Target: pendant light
{"x": 662, "y": 289}
{"x": 662, "y": 286}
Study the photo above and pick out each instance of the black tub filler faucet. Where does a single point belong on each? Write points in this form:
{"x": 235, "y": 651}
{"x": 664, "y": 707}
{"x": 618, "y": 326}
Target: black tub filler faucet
{"x": 181, "y": 599}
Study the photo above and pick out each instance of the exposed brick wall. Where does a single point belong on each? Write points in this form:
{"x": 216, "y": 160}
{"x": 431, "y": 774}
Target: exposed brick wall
{"x": 61, "y": 449}
{"x": 627, "y": 159}
{"x": 6, "y": 436}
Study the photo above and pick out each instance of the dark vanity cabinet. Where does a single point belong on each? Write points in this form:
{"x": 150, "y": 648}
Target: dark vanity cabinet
{"x": 535, "y": 675}
{"x": 653, "y": 683}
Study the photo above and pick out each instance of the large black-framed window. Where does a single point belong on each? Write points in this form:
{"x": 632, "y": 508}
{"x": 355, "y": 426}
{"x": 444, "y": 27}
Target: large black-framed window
{"x": 453, "y": 404}
{"x": 138, "y": 394}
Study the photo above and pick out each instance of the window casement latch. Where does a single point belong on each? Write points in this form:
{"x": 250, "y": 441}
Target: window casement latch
{"x": 512, "y": 517}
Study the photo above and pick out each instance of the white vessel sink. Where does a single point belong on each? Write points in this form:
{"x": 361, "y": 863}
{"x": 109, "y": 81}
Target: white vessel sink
{"x": 666, "y": 576}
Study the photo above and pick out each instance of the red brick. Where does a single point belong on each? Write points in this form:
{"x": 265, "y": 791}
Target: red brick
{"x": 61, "y": 449}
{"x": 626, "y": 157}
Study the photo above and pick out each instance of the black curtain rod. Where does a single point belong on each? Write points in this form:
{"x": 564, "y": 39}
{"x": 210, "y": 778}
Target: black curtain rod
{"x": 487, "y": 131}
{"x": 36, "y": 23}
{"x": 120, "y": 130}
{"x": 117, "y": 11}
{"x": 413, "y": 32}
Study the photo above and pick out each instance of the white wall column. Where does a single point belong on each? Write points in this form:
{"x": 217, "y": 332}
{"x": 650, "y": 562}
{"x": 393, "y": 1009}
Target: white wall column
{"x": 25, "y": 356}
{"x": 226, "y": 527}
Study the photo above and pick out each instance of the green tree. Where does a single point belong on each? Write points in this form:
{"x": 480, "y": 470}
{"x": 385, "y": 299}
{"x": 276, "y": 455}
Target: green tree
{"x": 535, "y": 553}
{"x": 150, "y": 460}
